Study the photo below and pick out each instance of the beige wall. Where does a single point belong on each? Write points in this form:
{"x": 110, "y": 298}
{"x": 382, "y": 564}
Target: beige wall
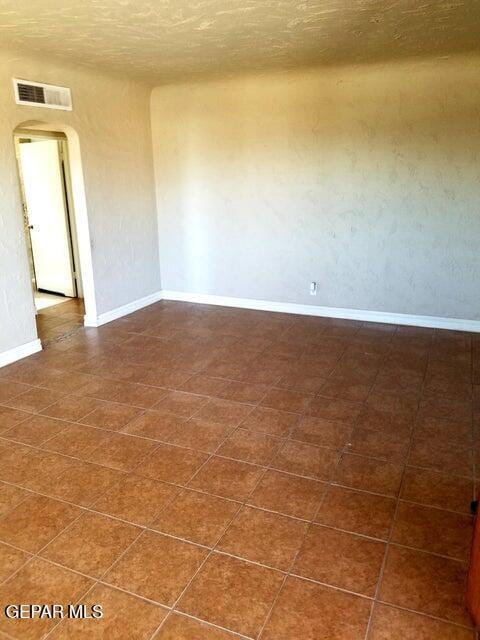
{"x": 366, "y": 180}
{"x": 111, "y": 118}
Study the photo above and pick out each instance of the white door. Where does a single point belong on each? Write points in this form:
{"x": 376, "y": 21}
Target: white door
{"x": 47, "y": 215}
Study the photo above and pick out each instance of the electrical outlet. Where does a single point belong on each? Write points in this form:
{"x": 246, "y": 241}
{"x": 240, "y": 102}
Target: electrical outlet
{"x": 313, "y": 288}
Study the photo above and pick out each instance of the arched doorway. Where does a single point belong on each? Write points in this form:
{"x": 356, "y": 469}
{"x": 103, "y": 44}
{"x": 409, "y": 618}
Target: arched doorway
{"x": 64, "y": 260}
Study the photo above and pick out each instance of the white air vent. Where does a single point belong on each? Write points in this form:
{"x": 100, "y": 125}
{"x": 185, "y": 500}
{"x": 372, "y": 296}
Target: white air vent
{"x": 37, "y": 94}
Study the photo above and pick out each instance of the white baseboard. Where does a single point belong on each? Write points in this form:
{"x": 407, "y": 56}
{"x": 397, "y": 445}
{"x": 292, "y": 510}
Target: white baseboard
{"x": 17, "y": 353}
{"x": 434, "y": 322}
{"x": 457, "y": 324}
{"x": 124, "y": 310}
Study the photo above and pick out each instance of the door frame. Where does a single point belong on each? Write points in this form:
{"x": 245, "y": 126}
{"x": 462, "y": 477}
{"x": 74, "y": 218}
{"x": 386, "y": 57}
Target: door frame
{"x": 62, "y": 150}
{"x": 78, "y": 206}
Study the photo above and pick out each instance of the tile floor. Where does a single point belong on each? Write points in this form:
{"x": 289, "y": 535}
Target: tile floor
{"x": 59, "y": 320}
{"x": 211, "y": 473}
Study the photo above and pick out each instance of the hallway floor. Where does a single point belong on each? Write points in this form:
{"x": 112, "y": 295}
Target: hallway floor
{"x": 59, "y": 320}
{"x": 207, "y": 473}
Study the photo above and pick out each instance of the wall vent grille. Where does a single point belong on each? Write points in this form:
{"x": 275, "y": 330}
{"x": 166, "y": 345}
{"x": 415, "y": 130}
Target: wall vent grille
{"x": 38, "y": 94}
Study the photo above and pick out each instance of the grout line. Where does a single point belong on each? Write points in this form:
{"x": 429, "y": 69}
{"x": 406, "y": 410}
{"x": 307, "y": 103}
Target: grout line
{"x": 235, "y": 634}
{"x": 78, "y": 601}
{"x": 164, "y": 606}
{"x": 41, "y": 447}
{"x": 340, "y": 451}
{"x": 302, "y": 544}
{"x": 180, "y": 488}
{"x": 382, "y": 357}
{"x": 426, "y": 615}
{"x": 397, "y": 505}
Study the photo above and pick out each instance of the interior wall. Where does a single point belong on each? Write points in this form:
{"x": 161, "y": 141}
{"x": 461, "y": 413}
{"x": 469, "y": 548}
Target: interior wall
{"x": 111, "y": 117}
{"x": 365, "y": 180}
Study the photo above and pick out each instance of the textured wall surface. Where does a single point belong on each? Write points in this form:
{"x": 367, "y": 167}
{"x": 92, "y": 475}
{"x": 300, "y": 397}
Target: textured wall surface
{"x": 366, "y": 180}
{"x": 111, "y": 118}
{"x": 179, "y": 38}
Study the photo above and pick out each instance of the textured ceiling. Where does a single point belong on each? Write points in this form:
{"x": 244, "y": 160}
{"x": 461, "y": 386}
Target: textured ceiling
{"x": 168, "y": 40}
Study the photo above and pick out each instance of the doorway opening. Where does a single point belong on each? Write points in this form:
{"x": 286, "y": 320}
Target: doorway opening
{"x": 50, "y": 232}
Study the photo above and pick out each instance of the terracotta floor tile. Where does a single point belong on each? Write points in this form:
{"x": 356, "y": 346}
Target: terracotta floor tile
{"x": 29, "y": 468}
{"x": 390, "y": 623}
{"x": 200, "y": 434}
{"x": 345, "y": 389}
{"x": 357, "y": 511}
{"x": 165, "y": 378}
{"x": 157, "y": 567}
{"x": 111, "y": 416}
{"x": 10, "y": 389}
{"x": 71, "y": 408}
{"x": 386, "y": 422}
{"x": 39, "y": 582}
{"x": 375, "y": 444}
{"x": 306, "y": 460}
{"x": 232, "y": 594}
{"x": 302, "y": 381}
{"x": 172, "y": 464}
{"x": 287, "y": 494}
{"x": 445, "y": 408}
{"x": 35, "y": 522}
{"x": 136, "y": 499}
{"x": 244, "y": 392}
{"x": 10, "y": 560}
{"x": 205, "y": 385}
{"x": 447, "y": 457}
{"x": 271, "y": 421}
{"x": 35, "y": 399}
{"x": 77, "y": 441}
{"x": 227, "y": 478}
{"x": 138, "y": 395}
{"x": 405, "y": 404}
{"x": 11, "y": 417}
{"x": 197, "y": 517}
{"x": 10, "y": 496}
{"x": 425, "y": 583}
{"x": 325, "y": 433}
{"x": 35, "y": 430}
{"x": 341, "y": 559}
{"x": 440, "y": 430}
{"x": 91, "y": 544}
{"x": 398, "y": 380}
{"x": 434, "y": 530}
{"x": 335, "y": 409}
{"x": 180, "y": 403}
{"x": 286, "y": 400}
{"x": 24, "y": 372}
{"x": 225, "y": 369}
{"x": 80, "y": 482}
{"x": 260, "y": 374}
{"x": 437, "y": 490}
{"x": 156, "y": 425}
{"x": 179, "y": 627}
{"x": 315, "y": 612}
{"x": 224, "y": 411}
{"x": 305, "y": 417}
{"x": 438, "y": 387}
{"x": 258, "y": 448}
{"x": 122, "y": 452}
{"x": 125, "y": 617}
{"x": 368, "y": 474}
{"x": 264, "y": 537}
